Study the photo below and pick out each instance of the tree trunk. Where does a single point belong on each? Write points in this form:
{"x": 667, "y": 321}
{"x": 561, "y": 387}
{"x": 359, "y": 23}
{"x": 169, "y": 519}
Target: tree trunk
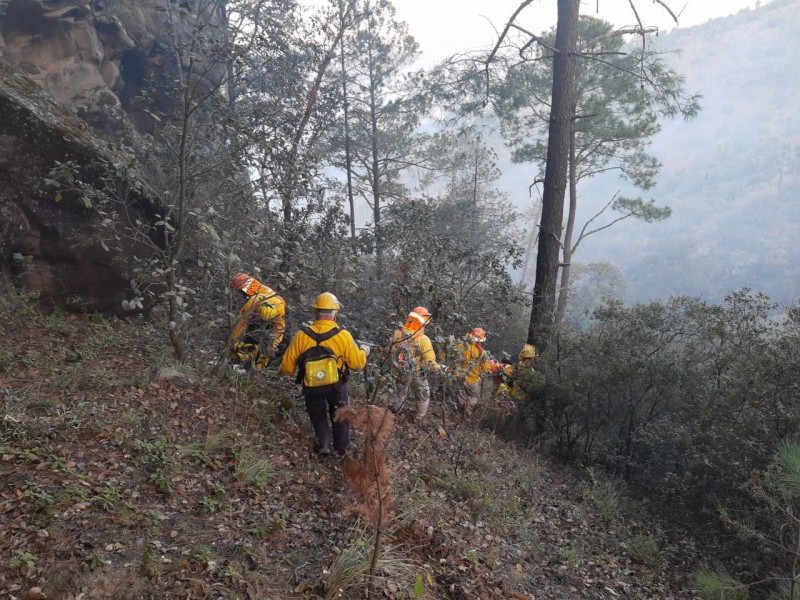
{"x": 175, "y": 245}
{"x": 530, "y": 241}
{"x": 563, "y": 291}
{"x": 375, "y": 168}
{"x": 555, "y": 178}
{"x": 293, "y": 169}
{"x": 348, "y": 159}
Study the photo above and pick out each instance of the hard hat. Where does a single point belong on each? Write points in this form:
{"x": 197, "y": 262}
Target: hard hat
{"x": 477, "y": 334}
{"x": 249, "y": 285}
{"x": 327, "y": 301}
{"x": 528, "y": 351}
{"x": 420, "y": 314}
{"x": 239, "y": 281}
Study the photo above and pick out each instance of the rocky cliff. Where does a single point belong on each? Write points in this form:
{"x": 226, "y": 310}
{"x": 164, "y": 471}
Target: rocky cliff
{"x": 71, "y": 77}
{"x": 49, "y": 236}
{"x": 94, "y": 58}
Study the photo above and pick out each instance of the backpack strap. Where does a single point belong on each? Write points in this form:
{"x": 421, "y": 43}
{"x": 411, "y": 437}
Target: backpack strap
{"x": 319, "y": 337}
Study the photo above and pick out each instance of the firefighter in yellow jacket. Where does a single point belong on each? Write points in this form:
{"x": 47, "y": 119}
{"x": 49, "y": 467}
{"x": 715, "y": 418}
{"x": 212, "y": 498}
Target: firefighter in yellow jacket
{"x": 414, "y": 358}
{"x": 501, "y": 371}
{"x": 260, "y": 326}
{"x": 526, "y": 355}
{"x": 323, "y": 355}
{"x": 523, "y": 367}
{"x": 471, "y": 364}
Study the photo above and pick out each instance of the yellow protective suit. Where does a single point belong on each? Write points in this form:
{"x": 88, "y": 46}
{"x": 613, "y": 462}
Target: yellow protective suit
{"x": 348, "y": 354}
{"x": 260, "y": 327}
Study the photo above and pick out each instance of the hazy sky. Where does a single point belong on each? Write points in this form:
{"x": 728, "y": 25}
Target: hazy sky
{"x": 444, "y": 27}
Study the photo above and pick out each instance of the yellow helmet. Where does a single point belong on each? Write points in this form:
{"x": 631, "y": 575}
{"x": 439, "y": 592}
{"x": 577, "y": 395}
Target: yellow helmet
{"x": 528, "y": 351}
{"x": 327, "y": 301}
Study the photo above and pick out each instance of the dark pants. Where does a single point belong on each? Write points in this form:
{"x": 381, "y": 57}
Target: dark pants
{"x": 321, "y": 407}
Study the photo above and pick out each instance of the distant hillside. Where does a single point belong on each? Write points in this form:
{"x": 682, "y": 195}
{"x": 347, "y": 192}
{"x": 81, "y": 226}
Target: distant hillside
{"x": 731, "y": 176}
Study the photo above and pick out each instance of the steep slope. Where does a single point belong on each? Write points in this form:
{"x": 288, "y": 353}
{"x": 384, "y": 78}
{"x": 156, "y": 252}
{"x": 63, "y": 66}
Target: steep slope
{"x": 117, "y": 485}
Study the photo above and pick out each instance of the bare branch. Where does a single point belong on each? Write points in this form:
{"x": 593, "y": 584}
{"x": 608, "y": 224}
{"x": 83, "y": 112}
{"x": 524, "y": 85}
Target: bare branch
{"x": 500, "y": 39}
{"x": 536, "y": 181}
{"x": 667, "y": 8}
{"x": 535, "y": 38}
{"x": 583, "y": 233}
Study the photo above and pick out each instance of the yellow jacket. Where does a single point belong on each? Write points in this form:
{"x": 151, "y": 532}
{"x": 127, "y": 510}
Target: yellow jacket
{"x": 472, "y": 362}
{"x": 419, "y": 344}
{"x": 266, "y": 306}
{"x": 342, "y": 345}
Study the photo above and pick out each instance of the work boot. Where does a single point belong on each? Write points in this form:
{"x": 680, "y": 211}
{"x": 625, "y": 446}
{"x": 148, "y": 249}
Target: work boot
{"x": 326, "y": 450}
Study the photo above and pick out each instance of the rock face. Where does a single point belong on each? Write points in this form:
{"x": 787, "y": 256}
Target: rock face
{"x": 94, "y": 58}
{"x": 49, "y": 241}
{"x": 68, "y": 90}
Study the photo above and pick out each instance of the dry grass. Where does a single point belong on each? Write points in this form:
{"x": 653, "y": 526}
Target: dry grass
{"x": 245, "y": 508}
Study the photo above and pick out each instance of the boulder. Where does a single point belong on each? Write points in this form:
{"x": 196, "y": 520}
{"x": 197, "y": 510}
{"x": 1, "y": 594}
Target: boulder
{"x": 52, "y": 240}
{"x": 71, "y": 93}
{"x": 97, "y": 58}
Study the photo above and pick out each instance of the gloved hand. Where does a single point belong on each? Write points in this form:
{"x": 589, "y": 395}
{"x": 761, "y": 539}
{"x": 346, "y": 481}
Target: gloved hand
{"x": 365, "y": 348}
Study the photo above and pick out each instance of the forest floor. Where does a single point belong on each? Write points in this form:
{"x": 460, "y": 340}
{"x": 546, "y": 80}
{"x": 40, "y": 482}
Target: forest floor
{"x": 114, "y": 484}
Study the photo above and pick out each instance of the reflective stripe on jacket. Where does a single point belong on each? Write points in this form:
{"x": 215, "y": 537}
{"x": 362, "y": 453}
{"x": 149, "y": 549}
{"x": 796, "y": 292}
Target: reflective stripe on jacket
{"x": 342, "y": 345}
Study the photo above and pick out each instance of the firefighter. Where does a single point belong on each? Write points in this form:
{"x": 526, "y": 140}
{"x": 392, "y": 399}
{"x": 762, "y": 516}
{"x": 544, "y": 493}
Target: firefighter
{"x": 260, "y": 326}
{"x": 413, "y": 358}
{"x": 501, "y": 371}
{"x": 323, "y": 355}
{"x": 524, "y": 365}
{"x": 472, "y": 363}
{"x": 526, "y": 355}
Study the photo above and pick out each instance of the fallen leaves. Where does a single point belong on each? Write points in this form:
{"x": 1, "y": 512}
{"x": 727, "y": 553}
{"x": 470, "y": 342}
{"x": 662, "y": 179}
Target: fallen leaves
{"x": 212, "y": 535}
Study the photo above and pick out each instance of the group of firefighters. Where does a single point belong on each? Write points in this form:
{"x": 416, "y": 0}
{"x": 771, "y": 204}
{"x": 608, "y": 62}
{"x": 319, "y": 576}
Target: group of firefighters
{"x": 322, "y": 355}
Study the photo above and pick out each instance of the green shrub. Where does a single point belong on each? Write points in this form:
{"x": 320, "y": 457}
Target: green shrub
{"x": 6, "y": 359}
{"x": 714, "y": 586}
{"x": 682, "y": 398}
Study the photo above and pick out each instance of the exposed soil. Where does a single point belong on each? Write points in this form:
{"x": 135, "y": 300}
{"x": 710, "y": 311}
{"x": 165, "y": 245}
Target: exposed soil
{"x": 116, "y": 485}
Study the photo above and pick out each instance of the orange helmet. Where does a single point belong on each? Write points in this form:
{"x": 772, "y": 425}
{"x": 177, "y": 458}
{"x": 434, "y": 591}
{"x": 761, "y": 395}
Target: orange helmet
{"x": 420, "y": 314}
{"x": 477, "y": 335}
{"x": 239, "y": 281}
{"x": 249, "y": 285}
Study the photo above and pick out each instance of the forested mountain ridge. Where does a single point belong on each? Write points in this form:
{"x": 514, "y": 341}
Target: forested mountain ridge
{"x": 201, "y": 481}
{"x": 731, "y": 175}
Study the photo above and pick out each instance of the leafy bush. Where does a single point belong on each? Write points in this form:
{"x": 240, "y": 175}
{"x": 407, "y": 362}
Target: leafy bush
{"x": 772, "y": 524}
{"x": 684, "y": 398}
